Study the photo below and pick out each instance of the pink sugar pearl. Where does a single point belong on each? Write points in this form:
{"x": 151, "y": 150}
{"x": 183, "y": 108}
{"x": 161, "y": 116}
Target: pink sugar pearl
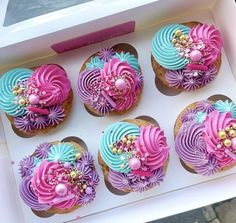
{"x": 134, "y": 163}
{"x": 120, "y": 84}
{"x": 233, "y": 141}
{"x": 33, "y": 99}
{"x": 195, "y": 55}
{"x": 61, "y": 189}
{"x": 88, "y": 190}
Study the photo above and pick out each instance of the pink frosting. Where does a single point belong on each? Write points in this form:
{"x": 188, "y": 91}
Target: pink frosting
{"x": 211, "y": 37}
{"x": 50, "y": 84}
{"x": 213, "y": 124}
{"x": 46, "y": 176}
{"x": 119, "y": 84}
{"x": 152, "y": 144}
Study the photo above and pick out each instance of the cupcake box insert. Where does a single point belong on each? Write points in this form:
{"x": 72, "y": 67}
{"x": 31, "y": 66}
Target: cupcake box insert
{"x": 179, "y": 186}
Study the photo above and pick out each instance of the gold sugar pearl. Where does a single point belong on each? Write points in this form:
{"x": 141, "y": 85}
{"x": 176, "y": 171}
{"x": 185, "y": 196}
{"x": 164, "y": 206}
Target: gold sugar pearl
{"x": 22, "y": 101}
{"x": 119, "y": 151}
{"x": 73, "y": 174}
{"x": 174, "y": 41}
{"x": 227, "y": 142}
{"x": 130, "y": 137}
{"x": 178, "y": 32}
{"x": 182, "y": 38}
{"x": 19, "y": 91}
{"x": 84, "y": 186}
{"x": 15, "y": 88}
{"x": 234, "y": 126}
{"x": 184, "y": 41}
{"x": 124, "y": 140}
{"x": 232, "y": 133}
{"x": 114, "y": 150}
{"x": 222, "y": 134}
{"x": 128, "y": 142}
{"x": 15, "y": 92}
{"x": 111, "y": 146}
{"x": 78, "y": 156}
{"x": 187, "y": 38}
{"x": 227, "y": 129}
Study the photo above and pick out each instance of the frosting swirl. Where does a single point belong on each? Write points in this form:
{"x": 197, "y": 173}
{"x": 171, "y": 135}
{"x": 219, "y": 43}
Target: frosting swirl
{"x": 8, "y": 101}
{"x": 212, "y": 39}
{"x": 28, "y": 196}
{"x": 163, "y": 50}
{"x": 214, "y": 123}
{"x": 50, "y": 84}
{"x": 112, "y": 134}
{"x": 152, "y": 142}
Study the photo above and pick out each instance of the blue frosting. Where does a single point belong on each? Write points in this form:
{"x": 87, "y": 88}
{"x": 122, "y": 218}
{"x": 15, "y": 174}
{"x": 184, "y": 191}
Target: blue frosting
{"x": 7, "y": 82}
{"x": 112, "y": 134}
{"x": 62, "y": 152}
{"x": 163, "y": 50}
{"x": 95, "y": 62}
{"x": 129, "y": 58}
{"x": 200, "y": 117}
{"x": 225, "y": 106}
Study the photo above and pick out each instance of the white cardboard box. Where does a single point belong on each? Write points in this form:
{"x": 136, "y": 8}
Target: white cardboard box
{"x": 28, "y": 44}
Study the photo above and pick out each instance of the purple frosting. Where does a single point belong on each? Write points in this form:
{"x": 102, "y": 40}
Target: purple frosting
{"x": 139, "y": 78}
{"x": 189, "y": 115}
{"x": 127, "y": 182}
{"x": 26, "y": 166}
{"x": 205, "y": 106}
{"x": 86, "y": 159}
{"x": 209, "y": 168}
{"x": 175, "y": 78}
{"x": 190, "y": 80}
{"x": 42, "y": 150}
{"x": 106, "y": 54}
{"x": 86, "y": 171}
{"x": 190, "y": 145}
{"x": 208, "y": 75}
{"x": 28, "y": 196}
{"x": 86, "y": 198}
{"x": 56, "y": 115}
{"x": 94, "y": 178}
{"x": 40, "y": 122}
{"x": 23, "y": 123}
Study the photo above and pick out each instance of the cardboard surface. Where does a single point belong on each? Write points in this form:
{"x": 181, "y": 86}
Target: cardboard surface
{"x": 163, "y": 108}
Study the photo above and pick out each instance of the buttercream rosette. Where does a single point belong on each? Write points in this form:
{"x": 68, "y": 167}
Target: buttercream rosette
{"x": 110, "y": 81}
{"x": 133, "y": 155}
{"x": 35, "y": 100}
{"x": 187, "y": 56}
{"x": 206, "y": 140}
{"x": 58, "y": 178}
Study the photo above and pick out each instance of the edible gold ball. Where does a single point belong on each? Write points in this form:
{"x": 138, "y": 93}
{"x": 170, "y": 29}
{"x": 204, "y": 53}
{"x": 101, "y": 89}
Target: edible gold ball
{"x": 78, "y": 156}
{"x": 227, "y": 142}
{"x": 119, "y": 151}
{"x": 111, "y": 146}
{"x": 73, "y": 174}
{"x": 128, "y": 142}
{"x": 227, "y": 129}
{"x": 19, "y": 91}
{"x": 84, "y": 186}
{"x": 174, "y": 41}
{"x": 15, "y": 93}
{"x": 124, "y": 140}
{"x": 182, "y": 38}
{"x": 184, "y": 41}
{"x": 114, "y": 150}
{"x": 15, "y": 88}
{"x": 234, "y": 126}
{"x": 222, "y": 134}
{"x": 130, "y": 137}
{"x": 187, "y": 38}
{"x": 134, "y": 137}
{"x": 232, "y": 133}
{"x": 178, "y": 32}
{"x": 22, "y": 101}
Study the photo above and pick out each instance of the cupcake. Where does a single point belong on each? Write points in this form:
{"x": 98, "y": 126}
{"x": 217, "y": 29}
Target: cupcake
{"x": 110, "y": 81}
{"x": 133, "y": 155}
{"x": 58, "y": 178}
{"x": 205, "y": 136}
{"x": 186, "y": 56}
{"x": 36, "y": 101}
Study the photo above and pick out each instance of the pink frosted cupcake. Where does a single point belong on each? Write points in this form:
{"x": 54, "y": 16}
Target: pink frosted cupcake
{"x": 110, "y": 81}
{"x": 58, "y": 178}
{"x": 133, "y": 155}
{"x": 36, "y": 101}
